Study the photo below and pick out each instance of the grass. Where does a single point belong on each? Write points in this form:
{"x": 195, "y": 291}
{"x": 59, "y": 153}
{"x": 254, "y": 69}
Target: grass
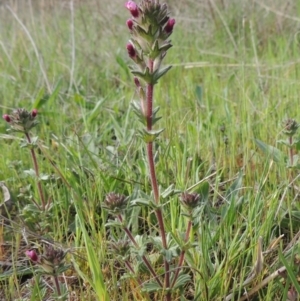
{"x": 234, "y": 79}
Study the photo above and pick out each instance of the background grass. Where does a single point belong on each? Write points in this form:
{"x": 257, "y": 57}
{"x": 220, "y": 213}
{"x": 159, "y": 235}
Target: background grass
{"x": 235, "y": 78}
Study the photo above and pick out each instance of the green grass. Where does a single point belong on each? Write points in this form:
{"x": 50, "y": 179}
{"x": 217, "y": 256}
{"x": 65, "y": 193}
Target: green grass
{"x": 235, "y": 78}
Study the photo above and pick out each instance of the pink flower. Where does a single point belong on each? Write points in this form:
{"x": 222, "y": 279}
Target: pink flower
{"x": 292, "y": 294}
{"x": 32, "y": 255}
{"x": 133, "y": 8}
{"x": 169, "y": 26}
{"x": 129, "y": 24}
{"x": 6, "y": 118}
{"x": 131, "y": 50}
{"x": 34, "y": 112}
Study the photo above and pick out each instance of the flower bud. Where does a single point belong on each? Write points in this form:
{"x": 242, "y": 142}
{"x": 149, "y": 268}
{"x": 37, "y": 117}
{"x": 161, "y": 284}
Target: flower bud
{"x": 115, "y": 201}
{"x": 34, "y": 113}
{"x": 137, "y": 82}
{"x": 6, "y": 118}
{"x": 32, "y": 255}
{"x": 54, "y": 255}
{"x": 133, "y": 8}
{"x": 292, "y": 294}
{"x": 131, "y": 50}
{"x": 169, "y": 26}
{"x": 190, "y": 200}
{"x": 120, "y": 247}
{"x": 129, "y": 23}
{"x": 21, "y": 120}
{"x": 290, "y": 127}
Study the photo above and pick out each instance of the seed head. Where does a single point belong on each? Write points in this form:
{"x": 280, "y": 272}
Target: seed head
{"x": 190, "y": 200}
{"x": 290, "y": 127}
{"x": 115, "y": 202}
{"x": 120, "y": 247}
{"x": 54, "y": 255}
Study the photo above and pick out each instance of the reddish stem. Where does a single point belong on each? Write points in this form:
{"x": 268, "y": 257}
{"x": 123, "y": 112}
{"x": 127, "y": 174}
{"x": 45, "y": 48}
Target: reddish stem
{"x": 291, "y": 150}
{"x": 36, "y": 168}
{"x": 130, "y": 268}
{"x": 182, "y": 254}
{"x": 57, "y": 285}
{"x": 146, "y": 261}
{"x": 154, "y": 184}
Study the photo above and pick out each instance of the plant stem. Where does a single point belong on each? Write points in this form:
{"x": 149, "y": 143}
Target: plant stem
{"x": 182, "y": 254}
{"x": 57, "y": 285}
{"x": 130, "y": 268}
{"x": 154, "y": 184}
{"x": 146, "y": 261}
{"x": 291, "y": 150}
{"x": 36, "y": 168}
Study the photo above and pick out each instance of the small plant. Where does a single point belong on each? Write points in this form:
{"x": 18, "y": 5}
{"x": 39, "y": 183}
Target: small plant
{"x": 23, "y": 121}
{"x": 289, "y": 128}
{"x": 150, "y": 27}
{"x": 50, "y": 263}
{"x": 36, "y": 215}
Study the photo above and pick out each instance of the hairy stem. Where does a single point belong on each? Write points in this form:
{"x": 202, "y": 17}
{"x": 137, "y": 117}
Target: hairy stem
{"x": 158, "y": 212}
{"x": 291, "y": 150}
{"x": 57, "y": 285}
{"x": 36, "y": 168}
{"x": 146, "y": 261}
{"x": 130, "y": 268}
{"x": 182, "y": 254}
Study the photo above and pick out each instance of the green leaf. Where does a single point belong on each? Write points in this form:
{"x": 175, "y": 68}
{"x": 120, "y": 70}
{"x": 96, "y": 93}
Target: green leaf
{"x": 198, "y": 92}
{"x": 43, "y": 98}
{"x": 141, "y": 202}
{"x": 290, "y": 272}
{"x": 40, "y": 99}
{"x": 297, "y": 144}
{"x": 96, "y": 111}
{"x": 170, "y": 253}
{"x": 235, "y": 187}
{"x": 169, "y": 192}
{"x": 271, "y": 152}
{"x": 97, "y": 282}
{"x": 122, "y": 64}
{"x": 154, "y": 118}
{"x": 44, "y": 177}
{"x": 164, "y": 47}
{"x": 151, "y": 287}
{"x": 145, "y": 76}
{"x": 113, "y": 224}
{"x": 55, "y": 92}
{"x": 284, "y": 142}
{"x": 138, "y": 112}
{"x": 159, "y": 73}
{"x": 203, "y": 190}
{"x": 30, "y": 172}
{"x": 182, "y": 280}
{"x": 150, "y": 136}
{"x": 79, "y": 99}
